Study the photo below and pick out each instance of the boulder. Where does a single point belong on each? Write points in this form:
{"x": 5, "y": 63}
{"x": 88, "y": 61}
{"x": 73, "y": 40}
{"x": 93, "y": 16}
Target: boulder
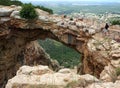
{"x": 4, "y": 12}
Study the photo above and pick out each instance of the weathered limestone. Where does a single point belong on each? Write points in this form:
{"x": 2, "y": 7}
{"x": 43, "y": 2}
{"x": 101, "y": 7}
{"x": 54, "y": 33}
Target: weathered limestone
{"x": 43, "y": 77}
{"x": 97, "y": 51}
{"x": 34, "y": 54}
{"x": 5, "y": 12}
{"x": 15, "y": 14}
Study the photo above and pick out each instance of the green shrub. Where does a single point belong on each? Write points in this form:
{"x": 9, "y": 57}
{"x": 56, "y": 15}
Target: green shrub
{"x": 28, "y": 11}
{"x": 10, "y": 2}
{"x": 45, "y": 9}
{"x": 118, "y": 71}
{"x": 114, "y": 20}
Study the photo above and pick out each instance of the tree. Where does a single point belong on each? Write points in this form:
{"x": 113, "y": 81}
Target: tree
{"x": 28, "y": 11}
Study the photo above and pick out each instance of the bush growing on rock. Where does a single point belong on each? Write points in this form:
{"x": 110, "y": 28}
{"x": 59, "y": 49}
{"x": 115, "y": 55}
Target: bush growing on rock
{"x": 28, "y": 12}
{"x": 118, "y": 71}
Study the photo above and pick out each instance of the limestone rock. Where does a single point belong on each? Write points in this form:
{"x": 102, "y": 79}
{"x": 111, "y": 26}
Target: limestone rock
{"x": 97, "y": 51}
{"x": 34, "y": 54}
{"x": 43, "y": 18}
{"x": 91, "y": 31}
{"x": 89, "y": 78}
{"x": 115, "y": 54}
{"x": 105, "y": 85}
{"x": 46, "y": 80}
{"x": 15, "y": 14}
{"x": 41, "y": 12}
{"x": 115, "y": 63}
{"x": 36, "y": 70}
{"x": 5, "y": 12}
{"x": 108, "y": 74}
{"x": 65, "y": 70}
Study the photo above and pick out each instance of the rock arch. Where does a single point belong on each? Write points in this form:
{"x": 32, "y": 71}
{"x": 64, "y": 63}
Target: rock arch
{"x": 16, "y": 33}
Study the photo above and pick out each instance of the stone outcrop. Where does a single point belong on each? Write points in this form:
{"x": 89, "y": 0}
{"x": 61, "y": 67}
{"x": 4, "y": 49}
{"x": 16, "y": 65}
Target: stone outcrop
{"x": 98, "y": 52}
{"x": 43, "y": 77}
{"x": 34, "y": 54}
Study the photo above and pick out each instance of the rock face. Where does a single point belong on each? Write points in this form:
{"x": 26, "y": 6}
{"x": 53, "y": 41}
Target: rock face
{"x": 34, "y": 54}
{"x": 98, "y": 52}
{"x": 31, "y": 54}
{"x": 43, "y": 77}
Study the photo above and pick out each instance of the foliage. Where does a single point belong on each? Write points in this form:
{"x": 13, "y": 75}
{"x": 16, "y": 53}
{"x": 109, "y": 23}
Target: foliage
{"x": 10, "y": 2}
{"x": 65, "y": 56}
{"x": 45, "y": 9}
{"x": 118, "y": 71}
{"x": 16, "y": 2}
{"x": 115, "y": 20}
{"x": 28, "y": 11}
{"x": 19, "y": 3}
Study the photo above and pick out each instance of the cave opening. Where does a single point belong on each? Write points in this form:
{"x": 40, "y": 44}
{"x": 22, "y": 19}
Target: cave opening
{"x": 67, "y": 57}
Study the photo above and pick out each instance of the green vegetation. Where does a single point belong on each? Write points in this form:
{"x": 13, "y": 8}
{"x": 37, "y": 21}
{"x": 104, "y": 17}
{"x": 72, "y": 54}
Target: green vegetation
{"x": 28, "y": 11}
{"x": 10, "y": 2}
{"x": 45, "y": 9}
{"x": 65, "y": 56}
{"x": 118, "y": 71}
{"x": 19, "y": 3}
{"x": 114, "y": 20}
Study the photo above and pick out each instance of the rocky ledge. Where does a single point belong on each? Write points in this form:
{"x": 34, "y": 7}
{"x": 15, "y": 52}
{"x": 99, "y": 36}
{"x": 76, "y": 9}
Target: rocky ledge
{"x": 43, "y": 77}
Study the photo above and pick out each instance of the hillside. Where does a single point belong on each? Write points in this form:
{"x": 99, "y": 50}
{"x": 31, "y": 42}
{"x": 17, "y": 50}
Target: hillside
{"x": 67, "y": 57}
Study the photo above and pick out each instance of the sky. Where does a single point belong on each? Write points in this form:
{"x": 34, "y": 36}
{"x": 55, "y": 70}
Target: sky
{"x": 74, "y": 0}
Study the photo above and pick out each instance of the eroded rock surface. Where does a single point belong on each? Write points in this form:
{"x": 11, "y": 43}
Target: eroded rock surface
{"x": 34, "y": 54}
{"x": 97, "y": 51}
{"x": 43, "y": 77}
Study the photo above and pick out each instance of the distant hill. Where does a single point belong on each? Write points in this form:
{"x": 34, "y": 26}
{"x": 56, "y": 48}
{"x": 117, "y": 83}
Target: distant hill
{"x": 65, "y": 7}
